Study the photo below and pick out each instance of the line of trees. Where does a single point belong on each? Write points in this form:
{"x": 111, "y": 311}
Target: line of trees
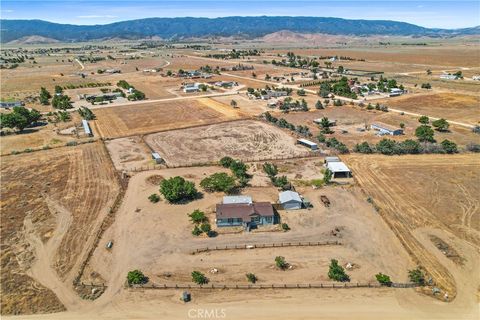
{"x": 19, "y": 119}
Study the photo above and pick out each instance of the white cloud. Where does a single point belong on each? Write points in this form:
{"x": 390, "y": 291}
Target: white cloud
{"x": 93, "y": 16}
{"x": 7, "y": 11}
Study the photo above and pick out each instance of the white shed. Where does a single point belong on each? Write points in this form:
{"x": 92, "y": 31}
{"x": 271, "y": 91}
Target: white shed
{"x": 339, "y": 169}
{"x": 156, "y": 157}
{"x": 290, "y": 200}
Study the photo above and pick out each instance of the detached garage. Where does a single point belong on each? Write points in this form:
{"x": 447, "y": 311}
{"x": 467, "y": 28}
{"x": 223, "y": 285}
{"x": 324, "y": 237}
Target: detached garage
{"x": 290, "y": 200}
{"x": 339, "y": 169}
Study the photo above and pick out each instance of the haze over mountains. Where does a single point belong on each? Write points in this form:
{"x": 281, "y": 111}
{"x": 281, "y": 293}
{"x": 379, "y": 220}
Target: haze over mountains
{"x": 243, "y": 27}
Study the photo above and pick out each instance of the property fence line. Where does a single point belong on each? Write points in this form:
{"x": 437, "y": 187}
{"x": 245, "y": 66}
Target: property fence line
{"x": 215, "y": 163}
{"x": 267, "y": 245}
{"x": 326, "y": 285}
{"x": 92, "y": 285}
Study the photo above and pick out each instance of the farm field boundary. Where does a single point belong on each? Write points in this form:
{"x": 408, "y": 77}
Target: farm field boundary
{"x": 268, "y": 245}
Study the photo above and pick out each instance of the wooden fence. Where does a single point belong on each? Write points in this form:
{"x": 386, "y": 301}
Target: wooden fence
{"x": 268, "y": 245}
{"x": 327, "y": 285}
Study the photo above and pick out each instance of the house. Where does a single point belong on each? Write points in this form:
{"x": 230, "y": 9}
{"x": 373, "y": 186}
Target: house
{"x": 395, "y": 92}
{"x": 237, "y": 199}
{"x": 246, "y": 214}
{"x": 156, "y": 157}
{"x": 308, "y": 143}
{"x": 10, "y": 104}
{"x": 384, "y": 129}
{"x": 339, "y": 169}
{"x": 274, "y": 94}
{"x": 86, "y": 128}
{"x": 191, "y": 87}
{"x": 290, "y": 200}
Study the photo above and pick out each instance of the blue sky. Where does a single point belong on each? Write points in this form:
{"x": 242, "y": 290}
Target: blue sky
{"x": 435, "y": 14}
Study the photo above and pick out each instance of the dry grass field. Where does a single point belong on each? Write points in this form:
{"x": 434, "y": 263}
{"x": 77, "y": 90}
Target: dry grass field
{"x": 152, "y": 117}
{"x": 51, "y": 202}
{"x": 462, "y": 108}
{"x": 241, "y": 139}
{"x": 432, "y": 191}
{"x": 128, "y": 153}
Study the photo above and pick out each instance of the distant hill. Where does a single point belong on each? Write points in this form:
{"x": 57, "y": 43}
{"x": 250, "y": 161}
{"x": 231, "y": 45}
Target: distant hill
{"x": 33, "y": 40}
{"x": 245, "y": 27}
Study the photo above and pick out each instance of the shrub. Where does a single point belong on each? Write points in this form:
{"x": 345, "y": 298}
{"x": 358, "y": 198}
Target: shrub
{"x": 198, "y": 216}
{"x": 424, "y": 133}
{"x": 416, "y": 276}
{"x": 449, "y": 146}
{"x": 281, "y": 263}
{"x": 251, "y": 277}
{"x": 321, "y": 138}
{"x": 410, "y": 147}
{"x": 386, "y": 146}
{"x": 199, "y": 278}
{"x": 206, "y": 227}
{"x": 218, "y": 182}
{"x": 154, "y": 198}
{"x": 285, "y": 227}
{"x": 424, "y": 120}
{"x": 177, "y": 189}
{"x": 336, "y": 272}
{"x": 196, "y": 231}
{"x": 473, "y": 147}
{"x": 327, "y": 176}
{"x": 383, "y": 279}
{"x": 136, "y": 277}
{"x": 441, "y": 124}
{"x": 71, "y": 143}
{"x": 270, "y": 169}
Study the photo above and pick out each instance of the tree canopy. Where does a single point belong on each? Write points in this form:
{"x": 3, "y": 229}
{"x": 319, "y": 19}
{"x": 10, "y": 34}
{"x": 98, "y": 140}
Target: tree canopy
{"x": 178, "y": 189}
{"x": 218, "y": 182}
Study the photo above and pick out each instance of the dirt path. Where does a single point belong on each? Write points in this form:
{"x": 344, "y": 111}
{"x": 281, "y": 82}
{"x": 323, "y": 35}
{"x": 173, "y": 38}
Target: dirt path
{"x": 42, "y": 269}
{"x": 80, "y": 63}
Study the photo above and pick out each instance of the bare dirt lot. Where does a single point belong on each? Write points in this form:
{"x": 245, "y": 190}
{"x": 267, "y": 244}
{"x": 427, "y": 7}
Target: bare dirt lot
{"x": 240, "y": 139}
{"x": 425, "y": 195}
{"x": 128, "y": 153}
{"x": 49, "y": 207}
{"x": 158, "y": 116}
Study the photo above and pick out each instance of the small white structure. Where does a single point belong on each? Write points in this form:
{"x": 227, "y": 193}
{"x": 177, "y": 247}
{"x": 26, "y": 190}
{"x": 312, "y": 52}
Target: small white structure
{"x": 237, "y": 199}
{"x": 308, "y": 143}
{"x": 191, "y": 87}
{"x": 290, "y": 200}
{"x": 330, "y": 159}
{"x": 447, "y": 76}
{"x": 86, "y": 128}
{"x": 157, "y": 158}
{"x": 10, "y": 104}
{"x": 395, "y": 92}
{"x": 477, "y": 78}
{"x": 384, "y": 129}
{"x": 339, "y": 169}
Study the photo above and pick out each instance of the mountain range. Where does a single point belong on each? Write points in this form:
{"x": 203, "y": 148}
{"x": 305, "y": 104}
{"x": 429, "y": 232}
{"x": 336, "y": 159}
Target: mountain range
{"x": 243, "y": 27}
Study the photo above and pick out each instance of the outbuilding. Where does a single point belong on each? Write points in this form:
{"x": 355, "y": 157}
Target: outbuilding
{"x": 290, "y": 200}
{"x": 86, "y": 128}
{"x": 156, "y": 157}
{"x": 384, "y": 129}
{"x": 339, "y": 169}
{"x": 308, "y": 143}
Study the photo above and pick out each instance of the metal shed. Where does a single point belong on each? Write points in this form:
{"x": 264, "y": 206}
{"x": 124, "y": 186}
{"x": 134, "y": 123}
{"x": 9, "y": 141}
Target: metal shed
{"x": 339, "y": 170}
{"x": 290, "y": 200}
{"x": 308, "y": 143}
{"x": 86, "y": 128}
{"x": 157, "y": 158}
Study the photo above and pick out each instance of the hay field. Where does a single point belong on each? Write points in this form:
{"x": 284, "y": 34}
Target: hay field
{"x": 51, "y": 202}
{"x": 146, "y": 118}
{"x": 240, "y": 139}
{"x": 452, "y": 106}
{"x": 413, "y": 192}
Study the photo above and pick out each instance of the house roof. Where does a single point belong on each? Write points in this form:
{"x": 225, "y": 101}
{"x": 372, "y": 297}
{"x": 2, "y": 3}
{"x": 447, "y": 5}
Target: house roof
{"x": 307, "y": 142}
{"x": 385, "y": 126}
{"x": 287, "y": 196}
{"x": 337, "y": 167}
{"x": 243, "y": 210}
{"x": 237, "y": 199}
{"x": 332, "y": 159}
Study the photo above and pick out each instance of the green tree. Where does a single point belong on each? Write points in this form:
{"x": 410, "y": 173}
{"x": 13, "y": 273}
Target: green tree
{"x": 218, "y": 182}
{"x": 301, "y": 92}
{"x": 336, "y": 272}
{"x": 136, "y": 277}
{"x": 325, "y": 125}
{"x": 233, "y": 103}
{"x": 13, "y": 120}
{"x": 386, "y": 146}
{"x": 416, "y": 276}
{"x": 226, "y": 162}
{"x": 319, "y": 105}
{"x": 340, "y": 69}
{"x": 86, "y": 113}
{"x": 363, "y": 147}
{"x": 410, "y": 146}
{"x": 449, "y": 146}
{"x": 177, "y": 189}
{"x": 383, "y": 279}
{"x": 196, "y": 231}
{"x": 58, "y": 89}
{"x": 425, "y": 133}
{"x": 424, "y": 120}
{"x": 441, "y": 124}
{"x": 198, "y": 216}
{"x": 206, "y": 227}
{"x": 270, "y": 169}
{"x": 44, "y": 96}
{"x": 199, "y": 278}
{"x": 251, "y": 277}
{"x": 327, "y": 176}
{"x": 62, "y": 102}
{"x": 239, "y": 169}
{"x": 281, "y": 263}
